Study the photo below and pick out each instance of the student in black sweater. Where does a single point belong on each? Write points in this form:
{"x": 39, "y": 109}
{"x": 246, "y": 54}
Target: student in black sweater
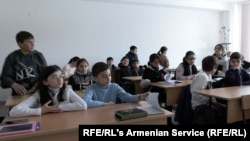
{"x": 137, "y": 70}
{"x": 236, "y": 75}
{"x": 123, "y": 71}
{"x": 110, "y": 63}
{"x": 82, "y": 77}
{"x": 23, "y": 66}
{"x": 153, "y": 74}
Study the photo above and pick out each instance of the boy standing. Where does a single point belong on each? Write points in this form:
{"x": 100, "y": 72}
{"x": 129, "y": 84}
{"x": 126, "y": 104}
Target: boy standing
{"x": 105, "y": 93}
{"x": 132, "y": 55}
{"x": 23, "y": 66}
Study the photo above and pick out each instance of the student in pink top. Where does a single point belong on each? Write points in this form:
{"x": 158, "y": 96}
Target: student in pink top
{"x": 164, "y": 62}
{"x": 187, "y": 69}
{"x": 70, "y": 68}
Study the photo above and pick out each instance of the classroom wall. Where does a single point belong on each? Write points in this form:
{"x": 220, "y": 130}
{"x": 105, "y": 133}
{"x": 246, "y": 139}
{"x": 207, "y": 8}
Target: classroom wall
{"x": 95, "y": 30}
{"x": 245, "y": 47}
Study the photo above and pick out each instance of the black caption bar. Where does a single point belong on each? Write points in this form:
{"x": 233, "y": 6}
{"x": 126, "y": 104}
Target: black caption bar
{"x": 239, "y": 132}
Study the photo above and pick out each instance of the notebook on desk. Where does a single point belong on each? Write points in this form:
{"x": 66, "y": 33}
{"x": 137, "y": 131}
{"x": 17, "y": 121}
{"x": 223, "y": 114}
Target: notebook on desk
{"x": 154, "y": 106}
{"x": 128, "y": 114}
{"x": 168, "y": 79}
{"x": 11, "y": 129}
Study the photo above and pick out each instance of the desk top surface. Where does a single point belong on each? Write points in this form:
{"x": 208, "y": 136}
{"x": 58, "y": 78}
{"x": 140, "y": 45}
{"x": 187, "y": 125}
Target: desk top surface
{"x": 14, "y": 100}
{"x": 227, "y": 93}
{"x": 133, "y": 78}
{"x": 67, "y": 121}
{"x": 163, "y": 84}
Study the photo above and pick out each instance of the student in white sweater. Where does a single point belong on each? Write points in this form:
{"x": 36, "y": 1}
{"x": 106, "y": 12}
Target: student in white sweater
{"x": 203, "y": 80}
{"x": 51, "y": 96}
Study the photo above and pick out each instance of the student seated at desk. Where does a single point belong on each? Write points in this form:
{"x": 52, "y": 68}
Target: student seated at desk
{"x": 110, "y": 63}
{"x": 69, "y": 69}
{"x": 153, "y": 74}
{"x": 164, "y": 62}
{"x": 51, "y": 95}
{"x": 125, "y": 70}
{"x": 245, "y": 64}
{"x": 82, "y": 76}
{"x": 105, "y": 93}
{"x": 187, "y": 69}
{"x": 219, "y": 53}
{"x": 236, "y": 75}
{"x": 203, "y": 80}
{"x": 137, "y": 70}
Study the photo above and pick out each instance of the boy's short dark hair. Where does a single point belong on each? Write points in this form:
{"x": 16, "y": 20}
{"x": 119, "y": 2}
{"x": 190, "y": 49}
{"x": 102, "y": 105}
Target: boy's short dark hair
{"x": 99, "y": 67}
{"x": 220, "y": 46}
{"x": 123, "y": 58}
{"x": 153, "y": 56}
{"x": 79, "y": 61}
{"x": 74, "y": 59}
{"x": 23, "y": 35}
{"x": 209, "y": 63}
{"x": 110, "y": 58}
{"x": 236, "y": 55}
{"x": 133, "y": 47}
{"x": 133, "y": 61}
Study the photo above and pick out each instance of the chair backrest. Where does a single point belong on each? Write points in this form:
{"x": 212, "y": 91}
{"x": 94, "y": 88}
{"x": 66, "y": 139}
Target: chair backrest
{"x": 113, "y": 77}
{"x": 184, "y": 112}
{"x": 245, "y": 104}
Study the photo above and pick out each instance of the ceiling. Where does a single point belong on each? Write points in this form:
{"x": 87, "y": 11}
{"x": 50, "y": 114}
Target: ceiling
{"x": 231, "y": 1}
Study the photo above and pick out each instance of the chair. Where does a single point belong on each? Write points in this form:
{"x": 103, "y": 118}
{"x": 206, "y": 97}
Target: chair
{"x": 184, "y": 111}
{"x": 245, "y": 103}
{"x": 113, "y": 77}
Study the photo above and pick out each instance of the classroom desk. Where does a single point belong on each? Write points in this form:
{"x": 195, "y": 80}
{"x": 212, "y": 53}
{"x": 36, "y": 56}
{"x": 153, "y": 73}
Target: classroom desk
{"x": 14, "y": 100}
{"x": 233, "y": 97}
{"x": 137, "y": 80}
{"x": 64, "y": 126}
{"x": 173, "y": 90}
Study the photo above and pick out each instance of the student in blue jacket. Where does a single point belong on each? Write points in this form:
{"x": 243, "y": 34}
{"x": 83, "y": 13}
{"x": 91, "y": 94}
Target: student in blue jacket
{"x": 236, "y": 75}
{"x": 103, "y": 92}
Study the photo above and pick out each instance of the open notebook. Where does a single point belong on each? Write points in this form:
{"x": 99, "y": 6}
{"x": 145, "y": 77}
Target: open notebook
{"x": 10, "y": 129}
{"x": 168, "y": 79}
{"x": 154, "y": 106}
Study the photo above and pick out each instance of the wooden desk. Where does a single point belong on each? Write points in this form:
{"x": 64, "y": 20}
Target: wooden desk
{"x": 173, "y": 90}
{"x": 64, "y": 126}
{"x": 233, "y": 97}
{"x": 14, "y": 100}
{"x": 137, "y": 80}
